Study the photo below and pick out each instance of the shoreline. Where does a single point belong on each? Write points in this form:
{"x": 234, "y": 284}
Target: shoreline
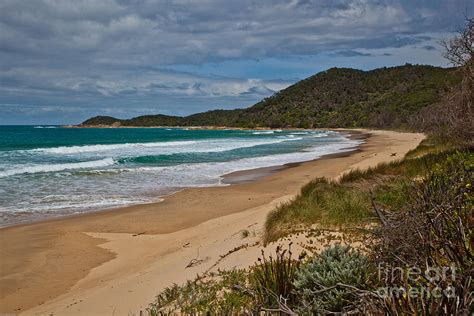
{"x": 245, "y": 176}
{"x": 232, "y": 178}
{"x": 86, "y": 258}
{"x": 250, "y": 175}
{"x": 193, "y": 127}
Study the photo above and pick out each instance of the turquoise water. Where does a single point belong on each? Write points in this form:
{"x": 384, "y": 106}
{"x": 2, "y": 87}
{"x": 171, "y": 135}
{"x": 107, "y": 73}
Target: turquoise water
{"x": 48, "y": 171}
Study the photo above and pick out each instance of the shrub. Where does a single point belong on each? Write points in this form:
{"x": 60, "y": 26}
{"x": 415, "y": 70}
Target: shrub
{"x": 434, "y": 229}
{"x": 323, "y": 284}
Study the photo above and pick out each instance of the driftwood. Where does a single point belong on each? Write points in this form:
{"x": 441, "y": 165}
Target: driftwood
{"x": 196, "y": 261}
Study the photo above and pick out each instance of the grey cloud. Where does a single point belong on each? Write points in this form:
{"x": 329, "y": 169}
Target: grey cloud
{"x": 259, "y": 91}
{"x": 92, "y": 51}
{"x": 429, "y": 47}
{"x": 195, "y": 31}
{"x": 351, "y": 53}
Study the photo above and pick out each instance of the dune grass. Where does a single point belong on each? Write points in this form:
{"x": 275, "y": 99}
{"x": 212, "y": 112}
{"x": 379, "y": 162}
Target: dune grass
{"x": 321, "y": 201}
{"x": 348, "y": 201}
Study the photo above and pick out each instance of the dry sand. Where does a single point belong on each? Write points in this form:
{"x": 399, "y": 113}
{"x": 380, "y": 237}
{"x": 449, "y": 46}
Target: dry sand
{"x": 115, "y": 262}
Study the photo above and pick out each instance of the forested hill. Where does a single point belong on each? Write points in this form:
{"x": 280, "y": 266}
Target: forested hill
{"x": 338, "y": 97}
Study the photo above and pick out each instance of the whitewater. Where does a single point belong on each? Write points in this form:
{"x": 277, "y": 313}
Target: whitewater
{"x": 54, "y": 171}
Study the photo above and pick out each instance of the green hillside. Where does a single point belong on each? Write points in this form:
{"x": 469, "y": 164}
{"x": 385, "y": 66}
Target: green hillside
{"x": 338, "y": 97}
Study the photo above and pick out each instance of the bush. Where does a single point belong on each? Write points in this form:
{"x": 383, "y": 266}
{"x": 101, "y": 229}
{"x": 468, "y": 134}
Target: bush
{"x": 323, "y": 284}
{"x": 435, "y": 228}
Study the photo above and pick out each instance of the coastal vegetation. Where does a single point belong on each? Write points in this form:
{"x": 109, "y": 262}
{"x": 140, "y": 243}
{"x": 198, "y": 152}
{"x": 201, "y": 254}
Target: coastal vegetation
{"x": 416, "y": 212}
{"x": 414, "y": 216}
{"x": 349, "y": 201}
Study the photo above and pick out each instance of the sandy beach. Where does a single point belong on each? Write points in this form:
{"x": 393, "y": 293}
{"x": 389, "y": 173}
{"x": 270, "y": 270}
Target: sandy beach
{"x": 114, "y": 262}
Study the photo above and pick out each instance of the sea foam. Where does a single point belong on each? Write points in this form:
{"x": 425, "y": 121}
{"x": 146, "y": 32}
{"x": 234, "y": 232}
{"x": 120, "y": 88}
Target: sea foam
{"x": 57, "y": 167}
{"x": 163, "y": 148}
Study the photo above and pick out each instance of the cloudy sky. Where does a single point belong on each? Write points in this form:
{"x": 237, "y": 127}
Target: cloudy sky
{"x": 62, "y": 61}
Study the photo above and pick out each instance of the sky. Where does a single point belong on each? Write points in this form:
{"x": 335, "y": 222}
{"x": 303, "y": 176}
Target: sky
{"x": 63, "y": 61}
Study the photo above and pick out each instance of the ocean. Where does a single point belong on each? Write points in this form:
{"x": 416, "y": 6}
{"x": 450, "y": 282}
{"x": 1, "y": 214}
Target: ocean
{"x": 48, "y": 171}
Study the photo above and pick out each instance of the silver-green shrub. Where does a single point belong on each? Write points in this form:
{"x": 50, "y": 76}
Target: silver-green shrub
{"x": 325, "y": 283}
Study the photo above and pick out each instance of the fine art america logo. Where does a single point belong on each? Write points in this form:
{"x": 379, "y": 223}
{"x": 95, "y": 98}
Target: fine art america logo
{"x": 416, "y": 282}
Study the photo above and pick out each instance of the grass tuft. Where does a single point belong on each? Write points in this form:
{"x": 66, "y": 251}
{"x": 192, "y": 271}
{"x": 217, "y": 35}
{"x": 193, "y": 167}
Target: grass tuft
{"x": 321, "y": 201}
{"x": 244, "y": 233}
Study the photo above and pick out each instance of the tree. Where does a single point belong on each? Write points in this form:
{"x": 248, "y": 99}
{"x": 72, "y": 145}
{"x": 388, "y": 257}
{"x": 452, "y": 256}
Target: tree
{"x": 455, "y": 118}
{"x": 460, "y": 49}
{"x": 460, "y": 52}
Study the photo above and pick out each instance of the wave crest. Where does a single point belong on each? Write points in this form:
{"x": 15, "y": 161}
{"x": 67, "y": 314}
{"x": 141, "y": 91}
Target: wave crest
{"x": 58, "y": 167}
